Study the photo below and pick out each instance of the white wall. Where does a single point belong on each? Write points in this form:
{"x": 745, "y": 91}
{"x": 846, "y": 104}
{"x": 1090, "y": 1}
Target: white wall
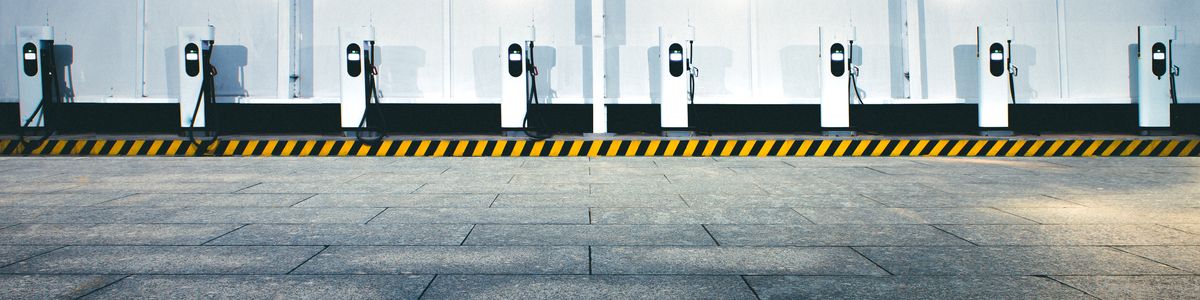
{"x": 750, "y": 51}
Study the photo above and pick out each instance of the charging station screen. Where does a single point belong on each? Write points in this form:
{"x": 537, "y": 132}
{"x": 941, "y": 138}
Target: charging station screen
{"x": 30, "y": 56}
{"x": 676, "y": 57}
{"x": 997, "y": 56}
{"x": 514, "y": 57}
{"x": 192, "y": 56}
{"x": 353, "y": 56}
{"x": 838, "y": 56}
{"x": 1158, "y": 56}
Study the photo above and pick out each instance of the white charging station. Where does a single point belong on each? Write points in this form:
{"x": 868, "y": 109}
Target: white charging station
{"x": 836, "y": 74}
{"x": 995, "y": 79}
{"x": 514, "y": 82}
{"x": 35, "y": 72}
{"x": 1155, "y": 72}
{"x": 356, "y": 46}
{"x": 677, "y": 75}
{"x": 195, "y": 59}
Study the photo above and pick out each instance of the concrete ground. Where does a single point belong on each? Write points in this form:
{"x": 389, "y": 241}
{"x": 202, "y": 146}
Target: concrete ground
{"x": 438, "y": 228}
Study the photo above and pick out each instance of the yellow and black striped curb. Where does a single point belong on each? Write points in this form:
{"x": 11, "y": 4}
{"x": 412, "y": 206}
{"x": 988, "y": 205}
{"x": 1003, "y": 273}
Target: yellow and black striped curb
{"x": 629, "y": 148}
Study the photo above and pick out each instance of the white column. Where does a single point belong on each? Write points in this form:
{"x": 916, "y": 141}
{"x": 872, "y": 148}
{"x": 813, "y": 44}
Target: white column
{"x": 599, "y": 77}
{"x": 916, "y": 45}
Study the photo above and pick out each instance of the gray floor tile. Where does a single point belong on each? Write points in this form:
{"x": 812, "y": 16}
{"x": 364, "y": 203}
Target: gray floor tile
{"x": 588, "y": 200}
{"x": 51, "y": 286}
{"x": 910, "y": 287}
{"x": 1186, "y": 258}
{"x": 181, "y": 188}
{"x": 331, "y": 188}
{"x": 112, "y": 234}
{"x": 399, "y": 200}
{"x": 241, "y": 215}
{"x": 909, "y": 216}
{"x": 26, "y": 188}
{"x": 1071, "y": 235}
{"x": 588, "y": 287}
{"x": 448, "y": 260}
{"x": 638, "y": 216}
{"x": 730, "y": 261}
{"x": 844, "y": 200}
{"x": 1136, "y": 287}
{"x": 345, "y": 234}
{"x": 586, "y": 179}
{"x": 266, "y": 287}
{"x": 12, "y": 254}
{"x": 733, "y": 188}
{"x": 165, "y": 260}
{"x": 819, "y": 188}
{"x": 55, "y": 199}
{"x": 969, "y": 200}
{"x": 483, "y": 216}
{"x": 588, "y": 235}
{"x": 832, "y": 235}
{"x": 494, "y": 188}
{"x": 1126, "y": 215}
{"x": 1190, "y": 228}
{"x": 1135, "y": 200}
{"x": 227, "y": 200}
{"x": 1012, "y": 261}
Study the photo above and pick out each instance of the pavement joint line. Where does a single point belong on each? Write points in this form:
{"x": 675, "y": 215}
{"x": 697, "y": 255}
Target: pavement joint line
{"x": 223, "y": 234}
{"x": 376, "y": 215}
{"x": 710, "y": 235}
{"x": 589, "y": 260}
{"x": 684, "y": 199}
{"x": 32, "y": 257}
{"x": 1069, "y": 286}
{"x": 953, "y": 235}
{"x": 246, "y": 188}
{"x": 421, "y": 187}
{"x": 302, "y": 201}
{"x": 493, "y": 203}
{"x": 127, "y": 195}
{"x": 427, "y": 287}
{"x": 104, "y": 287}
{"x": 668, "y": 178}
{"x": 1177, "y": 229}
{"x": 872, "y": 199}
{"x": 465, "y": 237}
{"x": 1149, "y": 259}
{"x": 751, "y": 287}
{"x": 289, "y": 272}
{"x": 1063, "y": 200}
{"x": 810, "y": 221}
{"x": 877, "y": 265}
{"x": 590, "y": 222}
{"x": 1015, "y": 215}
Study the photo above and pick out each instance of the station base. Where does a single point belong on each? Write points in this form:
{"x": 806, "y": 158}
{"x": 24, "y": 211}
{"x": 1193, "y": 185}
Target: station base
{"x": 839, "y": 133}
{"x": 996, "y": 133}
{"x": 675, "y": 133}
{"x": 1156, "y": 132}
{"x": 369, "y": 134}
{"x": 198, "y": 133}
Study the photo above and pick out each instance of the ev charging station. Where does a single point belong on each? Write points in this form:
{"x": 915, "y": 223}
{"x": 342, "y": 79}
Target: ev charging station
{"x": 837, "y": 79}
{"x": 996, "y": 75}
{"x": 196, "y": 87}
{"x": 518, "y": 80}
{"x": 37, "y": 86}
{"x": 678, "y": 79}
{"x": 1156, "y": 73}
{"x": 358, "y": 73}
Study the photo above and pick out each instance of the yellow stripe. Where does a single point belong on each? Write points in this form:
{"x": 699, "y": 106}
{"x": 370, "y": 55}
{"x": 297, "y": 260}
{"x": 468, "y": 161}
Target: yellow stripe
{"x": 461, "y": 148}
{"x": 633, "y": 147}
{"x": 133, "y": 150}
{"x": 1190, "y": 146}
{"x": 384, "y": 147}
{"x": 958, "y": 147}
{"x": 1091, "y": 150}
{"x": 269, "y": 148}
{"x": 787, "y": 146}
{"x": 575, "y": 148}
{"x": 862, "y": 147}
{"x": 671, "y": 146}
{"x": 727, "y": 147}
{"x": 364, "y": 150}
{"x": 1016, "y": 147}
{"x": 749, "y": 145}
{"x": 1170, "y": 148}
{"x": 171, "y": 150}
{"x": 154, "y": 147}
{"x": 537, "y": 148}
{"x": 345, "y": 149}
{"x": 518, "y": 147}
{"x": 920, "y": 147}
{"x": 1112, "y": 147}
{"x": 841, "y": 149}
{"x": 995, "y": 150}
{"x": 766, "y": 148}
{"x": 1132, "y": 147}
{"x": 422, "y": 148}
{"x": 689, "y": 149}
{"x": 937, "y": 147}
{"x": 1054, "y": 147}
{"x": 57, "y": 148}
{"x": 228, "y": 149}
{"x": 708, "y": 148}
{"x": 499, "y": 150}
{"x": 652, "y": 148}
{"x": 613, "y": 148}
{"x": 249, "y": 148}
{"x": 1073, "y": 148}
{"x": 326, "y": 148}
{"x": 1150, "y": 148}
{"x": 899, "y": 150}
{"x": 42, "y": 147}
{"x": 1037, "y": 145}
{"x": 97, "y": 147}
{"x": 479, "y": 147}
{"x": 288, "y": 146}
{"x": 594, "y": 150}
{"x": 977, "y": 148}
{"x": 116, "y": 148}
{"x": 804, "y": 146}
{"x": 441, "y": 149}
{"x": 822, "y": 148}
{"x": 308, "y": 148}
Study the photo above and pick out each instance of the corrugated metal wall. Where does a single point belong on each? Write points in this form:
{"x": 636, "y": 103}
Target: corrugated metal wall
{"x": 750, "y": 51}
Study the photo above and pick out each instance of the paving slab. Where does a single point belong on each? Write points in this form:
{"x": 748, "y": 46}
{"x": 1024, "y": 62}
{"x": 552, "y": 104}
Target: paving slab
{"x": 483, "y": 216}
{"x": 448, "y": 260}
{"x": 1127, "y": 215}
{"x": 1136, "y": 287}
{"x": 399, "y": 200}
{"x": 730, "y": 261}
{"x": 56, "y": 199}
{"x": 733, "y": 188}
{"x": 500, "y": 188}
{"x": 588, "y": 287}
{"x": 1190, "y": 228}
{"x": 652, "y": 216}
{"x": 266, "y": 287}
{"x": 836, "y": 200}
{"x": 953, "y": 261}
{"x": 345, "y": 234}
{"x": 239, "y": 215}
{"x": 112, "y": 234}
{"x": 811, "y": 188}
{"x": 331, "y": 188}
{"x": 1071, "y": 235}
{"x": 51, "y": 286}
{"x": 401, "y": 178}
{"x": 968, "y": 200}
{"x": 588, "y": 200}
{"x": 13, "y": 254}
{"x": 832, "y": 235}
{"x": 910, "y": 216}
{"x": 1186, "y": 258}
{"x": 587, "y": 179}
{"x": 911, "y": 287}
{"x": 165, "y": 260}
{"x": 219, "y": 200}
{"x": 180, "y": 188}
{"x": 589, "y": 235}
{"x": 26, "y": 188}
{"x": 1135, "y": 200}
